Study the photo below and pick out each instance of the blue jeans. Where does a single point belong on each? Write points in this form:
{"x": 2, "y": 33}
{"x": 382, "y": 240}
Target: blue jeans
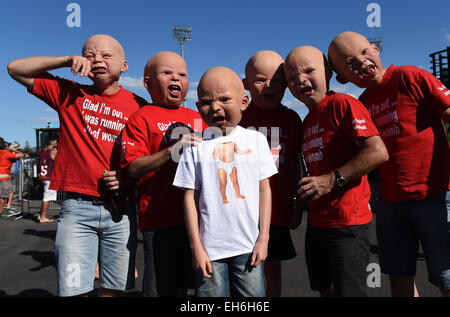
{"x": 400, "y": 227}
{"x": 87, "y": 233}
{"x": 232, "y": 275}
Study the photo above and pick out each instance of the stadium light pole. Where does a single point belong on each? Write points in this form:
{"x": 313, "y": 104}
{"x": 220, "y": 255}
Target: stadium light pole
{"x": 182, "y": 35}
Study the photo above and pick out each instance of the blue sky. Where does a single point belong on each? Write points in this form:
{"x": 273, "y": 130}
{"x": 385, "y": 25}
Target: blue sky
{"x": 225, "y": 33}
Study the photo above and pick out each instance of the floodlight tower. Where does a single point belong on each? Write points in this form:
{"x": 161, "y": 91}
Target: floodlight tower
{"x": 182, "y": 35}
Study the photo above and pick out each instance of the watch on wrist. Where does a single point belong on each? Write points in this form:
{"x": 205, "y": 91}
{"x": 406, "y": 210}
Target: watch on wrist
{"x": 340, "y": 181}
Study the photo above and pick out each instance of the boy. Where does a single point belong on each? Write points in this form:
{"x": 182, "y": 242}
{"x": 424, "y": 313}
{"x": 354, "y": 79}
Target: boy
{"x": 46, "y": 160}
{"x": 407, "y": 104}
{"x": 228, "y": 238}
{"x": 91, "y": 118}
{"x": 340, "y": 145}
{"x": 148, "y": 149}
{"x": 264, "y": 79}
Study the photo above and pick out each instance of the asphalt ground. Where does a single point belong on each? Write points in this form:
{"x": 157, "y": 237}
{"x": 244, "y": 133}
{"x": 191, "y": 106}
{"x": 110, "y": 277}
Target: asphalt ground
{"x": 27, "y": 265}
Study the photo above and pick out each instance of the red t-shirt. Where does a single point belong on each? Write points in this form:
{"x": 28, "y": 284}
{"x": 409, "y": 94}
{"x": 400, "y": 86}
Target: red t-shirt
{"x": 149, "y": 131}
{"x": 282, "y": 127}
{"x": 6, "y": 160}
{"x": 330, "y": 136}
{"x": 46, "y": 165}
{"x": 89, "y": 140}
{"x": 407, "y": 109}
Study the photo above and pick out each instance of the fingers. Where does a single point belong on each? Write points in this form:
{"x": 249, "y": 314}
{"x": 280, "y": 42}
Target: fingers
{"x": 305, "y": 187}
{"x": 256, "y": 259}
{"x": 190, "y": 139}
{"x": 208, "y": 270}
{"x": 312, "y": 188}
{"x": 253, "y": 259}
{"x": 111, "y": 180}
{"x": 185, "y": 141}
{"x": 81, "y": 65}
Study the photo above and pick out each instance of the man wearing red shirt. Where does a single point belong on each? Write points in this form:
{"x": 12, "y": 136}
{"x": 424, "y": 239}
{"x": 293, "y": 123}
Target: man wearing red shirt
{"x": 46, "y": 161}
{"x": 340, "y": 145}
{"x": 6, "y": 160}
{"x": 150, "y": 143}
{"x": 91, "y": 119}
{"x": 264, "y": 79}
{"x": 408, "y": 106}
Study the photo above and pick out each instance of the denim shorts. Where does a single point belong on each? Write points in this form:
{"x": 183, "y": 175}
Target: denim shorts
{"x": 89, "y": 232}
{"x": 338, "y": 257}
{"x": 400, "y": 227}
{"x": 233, "y": 276}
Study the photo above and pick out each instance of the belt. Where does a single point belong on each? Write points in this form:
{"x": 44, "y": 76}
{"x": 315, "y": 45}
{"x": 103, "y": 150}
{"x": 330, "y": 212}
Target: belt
{"x": 93, "y": 199}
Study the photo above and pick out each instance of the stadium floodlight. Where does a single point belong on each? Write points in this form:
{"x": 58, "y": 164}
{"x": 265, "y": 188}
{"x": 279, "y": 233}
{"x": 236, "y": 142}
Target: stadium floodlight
{"x": 182, "y": 35}
{"x": 378, "y": 42}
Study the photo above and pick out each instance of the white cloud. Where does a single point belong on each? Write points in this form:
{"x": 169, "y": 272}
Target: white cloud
{"x": 132, "y": 83}
{"x": 293, "y": 103}
{"x": 41, "y": 120}
{"x": 191, "y": 95}
{"x": 348, "y": 89}
{"x": 137, "y": 84}
{"x": 446, "y": 34}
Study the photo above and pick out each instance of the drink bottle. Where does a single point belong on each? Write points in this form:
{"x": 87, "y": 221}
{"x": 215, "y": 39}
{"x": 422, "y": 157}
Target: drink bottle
{"x": 305, "y": 173}
{"x": 305, "y": 170}
{"x": 119, "y": 201}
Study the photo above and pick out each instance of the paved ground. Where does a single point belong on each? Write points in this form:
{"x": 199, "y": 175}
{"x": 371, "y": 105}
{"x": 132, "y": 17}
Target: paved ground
{"x": 27, "y": 266}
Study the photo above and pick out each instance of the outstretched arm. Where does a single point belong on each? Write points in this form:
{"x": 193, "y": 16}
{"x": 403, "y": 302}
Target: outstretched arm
{"x": 147, "y": 164}
{"x": 19, "y": 154}
{"x": 373, "y": 153}
{"x": 240, "y": 152}
{"x": 25, "y": 70}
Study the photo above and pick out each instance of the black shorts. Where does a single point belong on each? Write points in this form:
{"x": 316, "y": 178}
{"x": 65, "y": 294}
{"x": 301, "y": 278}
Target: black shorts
{"x": 280, "y": 246}
{"x": 338, "y": 257}
{"x": 168, "y": 262}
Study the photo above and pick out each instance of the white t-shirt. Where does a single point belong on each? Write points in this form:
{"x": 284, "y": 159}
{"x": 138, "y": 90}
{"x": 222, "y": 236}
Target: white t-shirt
{"x": 232, "y": 228}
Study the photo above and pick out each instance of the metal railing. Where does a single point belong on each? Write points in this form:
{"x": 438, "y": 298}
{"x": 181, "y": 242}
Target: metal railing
{"x": 30, "y": 189}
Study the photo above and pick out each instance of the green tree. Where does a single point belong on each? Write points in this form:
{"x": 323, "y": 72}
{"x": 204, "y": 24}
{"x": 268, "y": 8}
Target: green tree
{"x": 27, "y": 149}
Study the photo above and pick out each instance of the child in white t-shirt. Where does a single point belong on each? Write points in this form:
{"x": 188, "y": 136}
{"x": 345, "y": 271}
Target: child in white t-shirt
{"x": 229, "y": 231}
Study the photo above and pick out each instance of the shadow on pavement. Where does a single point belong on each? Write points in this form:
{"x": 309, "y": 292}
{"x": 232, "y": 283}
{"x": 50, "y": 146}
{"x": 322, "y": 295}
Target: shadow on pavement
{"x": 45, "y": 259}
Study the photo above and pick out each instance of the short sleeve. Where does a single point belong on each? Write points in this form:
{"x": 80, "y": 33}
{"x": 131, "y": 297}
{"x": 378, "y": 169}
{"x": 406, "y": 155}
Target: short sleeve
{"x": 135, "y": 140}
{"x": 429, "y": 91}
{"x": 186, "y": 174}
{"x": 354, "y": 118}
{"x": 54, "y": 91}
